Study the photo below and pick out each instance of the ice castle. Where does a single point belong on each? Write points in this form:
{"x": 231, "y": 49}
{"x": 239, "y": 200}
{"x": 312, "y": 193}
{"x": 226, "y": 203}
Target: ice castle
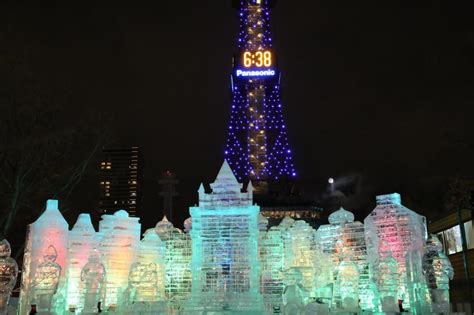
{"x": 228, "y": 262}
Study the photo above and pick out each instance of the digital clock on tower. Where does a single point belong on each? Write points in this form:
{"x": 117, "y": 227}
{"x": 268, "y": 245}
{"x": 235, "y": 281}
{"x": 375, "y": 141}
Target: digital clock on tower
{"x": 258, "y": 59}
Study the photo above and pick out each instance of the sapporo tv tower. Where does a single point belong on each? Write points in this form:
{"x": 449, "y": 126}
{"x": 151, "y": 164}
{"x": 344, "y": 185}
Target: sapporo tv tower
{"x": 257, "y": 144}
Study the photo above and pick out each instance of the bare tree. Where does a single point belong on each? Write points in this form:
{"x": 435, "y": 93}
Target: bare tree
{"x": 45, "y": 151}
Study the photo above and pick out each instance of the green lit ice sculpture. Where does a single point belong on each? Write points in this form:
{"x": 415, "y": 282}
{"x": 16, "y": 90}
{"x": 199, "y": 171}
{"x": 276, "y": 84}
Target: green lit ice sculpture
{"x": 225, "y": 265}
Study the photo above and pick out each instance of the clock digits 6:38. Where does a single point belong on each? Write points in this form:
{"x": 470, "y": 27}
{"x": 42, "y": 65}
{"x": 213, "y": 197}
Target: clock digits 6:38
{"x": 261, "y": 58}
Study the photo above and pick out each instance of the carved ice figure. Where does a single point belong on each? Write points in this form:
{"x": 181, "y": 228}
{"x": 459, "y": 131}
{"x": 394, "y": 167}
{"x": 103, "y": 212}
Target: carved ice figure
{"x": 420, "y": 301}
{"x": 295, "y": 296}
{"x": 119, "y": 249}
{"x": 151, "y": 260}
{"x": 46, "y": 280}
{"x": 388, "y": 283}
{"x": 82, "y": 241}
{"x": 92, "y": 281}
{"x": 8, "y": 274}
{"x": 300, "y": 252}
{"x": 343, "y": 232}
{"x": 347, "y": 281}
{"x": 177, "y": 257}
{"x": 402, "y": 229}
{"x": 438, "y": 271}
{"x": 49, "y": 229}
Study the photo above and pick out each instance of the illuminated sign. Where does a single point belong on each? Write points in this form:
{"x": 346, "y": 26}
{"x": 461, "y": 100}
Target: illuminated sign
{"x": 258, "y": 59}
{"x": 255, "y": 73}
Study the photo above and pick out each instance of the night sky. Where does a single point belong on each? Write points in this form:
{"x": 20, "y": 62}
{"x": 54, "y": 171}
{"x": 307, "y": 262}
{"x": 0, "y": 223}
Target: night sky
{"x": 376, "y": 93}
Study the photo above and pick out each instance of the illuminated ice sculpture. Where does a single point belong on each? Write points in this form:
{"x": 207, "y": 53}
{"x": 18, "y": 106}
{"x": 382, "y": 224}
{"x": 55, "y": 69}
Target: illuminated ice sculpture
{"x": 438, "y": 271}
{"x": 8, "y": 274}
{"x": 44, "y": 260}
{"x": 393, "y": 230}
{"x": 230, "y": 262}
{"x": 225, "y": 265}
{"x": 119, "y": 248}
{"x": 82, "y": 242}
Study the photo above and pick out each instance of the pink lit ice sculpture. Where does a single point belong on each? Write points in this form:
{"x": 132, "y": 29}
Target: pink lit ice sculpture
{"x": 46, "y": 253}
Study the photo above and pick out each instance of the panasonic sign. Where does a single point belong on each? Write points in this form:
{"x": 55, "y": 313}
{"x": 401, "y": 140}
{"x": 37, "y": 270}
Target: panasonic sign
{"x": 255, "y": 73}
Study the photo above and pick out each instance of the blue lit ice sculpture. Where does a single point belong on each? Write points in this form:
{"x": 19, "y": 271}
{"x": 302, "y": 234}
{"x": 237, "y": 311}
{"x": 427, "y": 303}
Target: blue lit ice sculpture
{"x": 438, "y": 271}
{"x": 225, "y": 265}
{"x": 92, "y": 283}
{"x": 8, "y": 274}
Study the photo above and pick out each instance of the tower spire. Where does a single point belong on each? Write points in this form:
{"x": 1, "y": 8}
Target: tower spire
{"x": 257, "y": 144}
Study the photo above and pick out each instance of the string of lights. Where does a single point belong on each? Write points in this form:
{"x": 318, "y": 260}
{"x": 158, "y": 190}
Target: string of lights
{"x": 257, "y": 142}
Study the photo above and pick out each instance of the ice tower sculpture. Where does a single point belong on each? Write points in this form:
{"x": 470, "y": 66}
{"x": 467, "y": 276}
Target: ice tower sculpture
{"x": 417, "y": 288}
{"x": 388, "y": 283}
{"x": 271, "y": 250}
{"x": 8, "y": 274}
{"x": 46, "y": 245}
{"x": 347, "y": 281}
{"x": 149, "y": 269}
{"x": 177, "y": 259}
{"x": 225, "y": 234}
{"x": 350, "y": 234}
{"x": 120, "y": 236}
{"x": 438, "y": 271}
{"x": 401, "y": 230}
{"x": 82, "y": 241}
{"x": 92, "y": 283}
{"x": 300, "y": 253}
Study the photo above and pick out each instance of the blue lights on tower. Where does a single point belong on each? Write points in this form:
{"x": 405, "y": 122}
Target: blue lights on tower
{"x": 257, "y": 142}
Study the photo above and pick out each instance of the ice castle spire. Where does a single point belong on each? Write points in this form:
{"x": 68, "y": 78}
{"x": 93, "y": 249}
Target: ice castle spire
{"x": 226, "y": 191}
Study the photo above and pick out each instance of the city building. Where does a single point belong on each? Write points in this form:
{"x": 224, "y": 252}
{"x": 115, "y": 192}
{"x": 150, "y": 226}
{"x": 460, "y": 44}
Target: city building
{"x": 121, "y": 180}
{"x": 311, "y": 214}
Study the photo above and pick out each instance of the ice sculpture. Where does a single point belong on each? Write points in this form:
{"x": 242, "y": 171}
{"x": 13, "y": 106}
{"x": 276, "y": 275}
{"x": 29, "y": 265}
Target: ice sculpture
{"x": 438, "y": 271}
{"x": 295, "y": 296}
{"x": 46, "y": 280}
{"x": 388, "y": 283}
{"x": 401, "y": 229}
{"x": 148, "y": 272}
{"x": 300, "y": 252}
{"x": 49, "y": 233}
{"x": 119, "y": 248}
{"x": 92, "y": 283}
{"x": 271, "y": 262}
{"x": 225, "y": 234}
{"x": 347, "y": 281}
{"x": 416, "y": 284}
{"x": 8, "y": 274}
{"x": 188, "y": 225}
{"x": 177, "y": 257}
{"x": 350, "y": 235}
{"x": 82, "y": 241}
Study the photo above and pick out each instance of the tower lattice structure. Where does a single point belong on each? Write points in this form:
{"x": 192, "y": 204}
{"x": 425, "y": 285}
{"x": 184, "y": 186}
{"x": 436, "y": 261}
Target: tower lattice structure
{"x": 257, "y": 144}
